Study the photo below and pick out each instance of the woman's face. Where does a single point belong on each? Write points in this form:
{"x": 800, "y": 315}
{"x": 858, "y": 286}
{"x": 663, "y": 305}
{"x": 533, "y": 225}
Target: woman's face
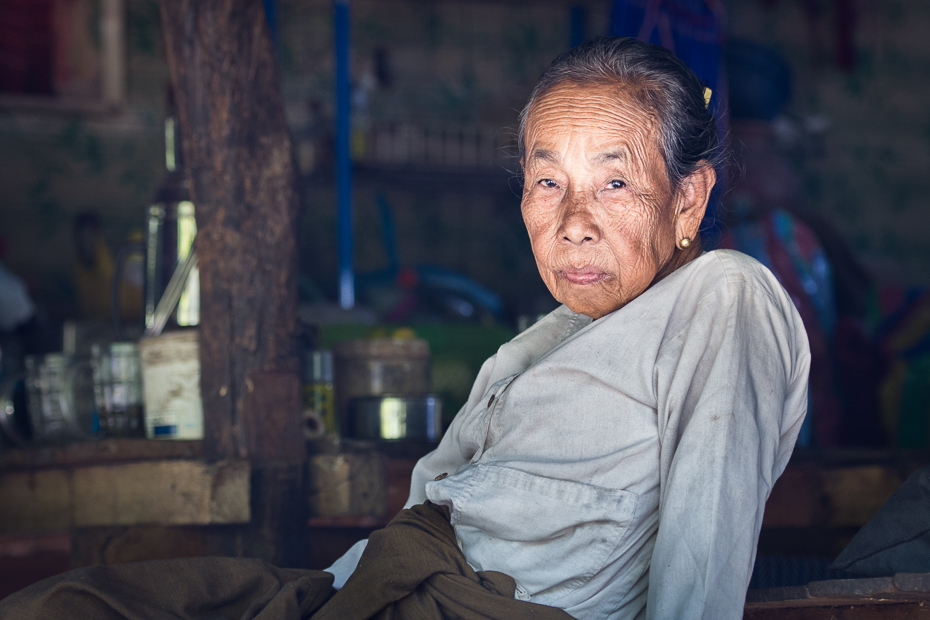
{"x": 598, "y": 206}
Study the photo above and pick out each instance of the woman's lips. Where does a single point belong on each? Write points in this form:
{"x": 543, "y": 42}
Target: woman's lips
{"x": 584, "y": 275}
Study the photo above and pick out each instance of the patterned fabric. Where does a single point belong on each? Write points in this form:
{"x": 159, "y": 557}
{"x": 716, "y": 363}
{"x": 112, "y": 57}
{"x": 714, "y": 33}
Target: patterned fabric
{"x": 902, "y": 319}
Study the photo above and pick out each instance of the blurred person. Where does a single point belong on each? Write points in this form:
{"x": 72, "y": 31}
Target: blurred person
{"x": 93, "y": 268}
{"x": 16, "y": 307}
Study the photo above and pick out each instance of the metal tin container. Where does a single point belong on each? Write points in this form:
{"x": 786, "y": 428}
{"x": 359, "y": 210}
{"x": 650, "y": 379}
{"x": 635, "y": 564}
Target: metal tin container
{"x": 378, "y": 366}
{"x": 171, "y": 385}
{"x": 396, "y": 418}
{"x": 319, "y": 395}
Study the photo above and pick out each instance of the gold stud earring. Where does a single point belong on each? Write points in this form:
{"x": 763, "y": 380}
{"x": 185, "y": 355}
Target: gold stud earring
{"x": 684, "y": 243}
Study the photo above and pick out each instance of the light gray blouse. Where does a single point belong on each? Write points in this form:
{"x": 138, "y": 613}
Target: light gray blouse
{"x": 619, "y": 468}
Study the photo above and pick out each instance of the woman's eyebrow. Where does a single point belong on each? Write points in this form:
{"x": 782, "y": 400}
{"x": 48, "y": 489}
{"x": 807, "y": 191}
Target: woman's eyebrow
{"x": 544, "y": 155}
{"x": 608, "y": 156}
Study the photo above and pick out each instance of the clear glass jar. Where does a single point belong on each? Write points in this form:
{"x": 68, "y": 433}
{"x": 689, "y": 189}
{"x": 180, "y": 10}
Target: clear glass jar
{"x": 61, "y": 398}
{"x": 117, "y": 371}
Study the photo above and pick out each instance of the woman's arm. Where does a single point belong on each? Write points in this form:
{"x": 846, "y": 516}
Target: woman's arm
{"x": 732, "y": 389}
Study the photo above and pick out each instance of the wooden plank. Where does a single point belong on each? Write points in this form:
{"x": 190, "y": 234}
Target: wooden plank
{"x": 870, "y": 592}
{"x": 886, "y": 611}
{"x": 912, "y": 582}
{"x": 34, "y": 501}
{"x": 776, "y": 595}
{"x": 153, "y": 492}
{"x": 98, "y": 452}
{"x": 872, "y": 587}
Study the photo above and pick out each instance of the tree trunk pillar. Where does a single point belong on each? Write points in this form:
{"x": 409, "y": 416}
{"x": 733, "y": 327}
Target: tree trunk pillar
{"x": 244, "y": 185}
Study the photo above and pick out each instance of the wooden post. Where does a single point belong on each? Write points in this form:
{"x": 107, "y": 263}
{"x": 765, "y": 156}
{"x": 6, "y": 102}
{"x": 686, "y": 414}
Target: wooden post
{"x": 244, "y": 185}
{"x": 243, "y": 180}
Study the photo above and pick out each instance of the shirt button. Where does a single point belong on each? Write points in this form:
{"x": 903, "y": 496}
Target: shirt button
{"x": 441, "y": 476}
{"x": 491, "y": 402}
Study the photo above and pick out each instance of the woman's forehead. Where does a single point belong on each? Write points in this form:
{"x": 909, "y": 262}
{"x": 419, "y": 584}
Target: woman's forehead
{"x": 597, "y": 116}
{"x": 609, "y": 98}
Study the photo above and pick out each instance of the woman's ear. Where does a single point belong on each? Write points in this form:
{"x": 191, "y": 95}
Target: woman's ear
{"x": 693, "y": 196}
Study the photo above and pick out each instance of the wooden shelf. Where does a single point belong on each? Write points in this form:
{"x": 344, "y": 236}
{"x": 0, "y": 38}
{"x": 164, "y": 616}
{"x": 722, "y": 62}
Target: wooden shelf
{"x": 103, "y": 451}
{"x": 149, "y": 492}
{"x": 122, "y": 482}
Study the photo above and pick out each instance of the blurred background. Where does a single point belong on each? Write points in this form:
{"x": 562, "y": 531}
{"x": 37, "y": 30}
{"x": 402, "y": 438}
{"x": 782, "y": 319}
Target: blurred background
{"x": 822, "y": 105}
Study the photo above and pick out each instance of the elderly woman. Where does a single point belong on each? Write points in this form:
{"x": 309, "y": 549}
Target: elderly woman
{"x": 615, "y": 458}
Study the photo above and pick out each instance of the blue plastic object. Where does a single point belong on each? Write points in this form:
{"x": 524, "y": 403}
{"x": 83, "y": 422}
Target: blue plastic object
{"x": 343, "y": 155}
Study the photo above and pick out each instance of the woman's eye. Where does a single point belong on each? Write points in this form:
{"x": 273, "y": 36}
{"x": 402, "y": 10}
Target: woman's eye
{"x": 548, "y": 183}
{"x": 616, "y": 184}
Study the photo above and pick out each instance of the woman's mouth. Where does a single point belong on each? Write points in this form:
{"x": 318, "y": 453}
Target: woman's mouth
{"x": 583, "y": 275}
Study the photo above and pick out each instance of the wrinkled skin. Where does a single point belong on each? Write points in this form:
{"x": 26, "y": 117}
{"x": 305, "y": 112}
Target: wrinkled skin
{"x": 603, "y": 219}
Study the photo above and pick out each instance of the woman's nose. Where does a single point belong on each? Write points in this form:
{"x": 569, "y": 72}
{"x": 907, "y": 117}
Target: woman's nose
{"x": 578, "y": 224}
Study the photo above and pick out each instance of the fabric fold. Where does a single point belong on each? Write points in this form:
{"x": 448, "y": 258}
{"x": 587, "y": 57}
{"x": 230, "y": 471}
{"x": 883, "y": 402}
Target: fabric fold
{"x": 411, "y": 570}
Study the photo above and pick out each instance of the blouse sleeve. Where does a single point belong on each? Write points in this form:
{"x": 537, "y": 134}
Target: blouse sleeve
{"x": 732, "y": 393}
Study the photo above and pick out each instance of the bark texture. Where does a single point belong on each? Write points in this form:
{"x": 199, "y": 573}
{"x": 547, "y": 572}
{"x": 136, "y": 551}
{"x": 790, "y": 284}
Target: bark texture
{"x": 243, "y": 179}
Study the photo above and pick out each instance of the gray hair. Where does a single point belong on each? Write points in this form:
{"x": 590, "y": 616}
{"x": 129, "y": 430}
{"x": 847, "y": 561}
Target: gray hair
{"x": 660, "y": 82}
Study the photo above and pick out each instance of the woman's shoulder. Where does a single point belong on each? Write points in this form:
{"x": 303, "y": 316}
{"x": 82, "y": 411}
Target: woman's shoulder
{"x": 728, "y": 287}
{"x": 722, "y": 282}
{"x": 729, "y": 273}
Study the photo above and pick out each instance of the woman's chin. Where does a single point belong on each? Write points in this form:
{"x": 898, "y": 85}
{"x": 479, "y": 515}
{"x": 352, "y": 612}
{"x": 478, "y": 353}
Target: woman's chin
{"x": 593, "y": 296}
{"x": 592, "y": 307}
